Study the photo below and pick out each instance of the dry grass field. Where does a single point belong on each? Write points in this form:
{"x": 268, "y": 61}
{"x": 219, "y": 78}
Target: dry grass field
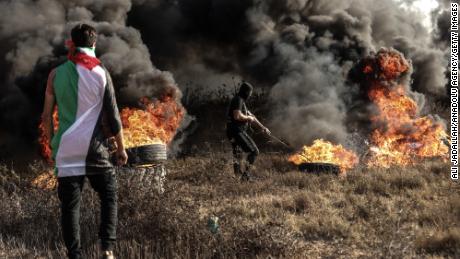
{"x": 380, "y": 213}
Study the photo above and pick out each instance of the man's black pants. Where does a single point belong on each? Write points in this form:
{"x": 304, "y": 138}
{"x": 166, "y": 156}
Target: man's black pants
{"x": 242, "y": 141}
{"x": 69, "y": 191}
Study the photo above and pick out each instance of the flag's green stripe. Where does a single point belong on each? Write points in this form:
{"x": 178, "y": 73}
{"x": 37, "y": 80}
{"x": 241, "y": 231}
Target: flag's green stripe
{"x": 66, "y": 92}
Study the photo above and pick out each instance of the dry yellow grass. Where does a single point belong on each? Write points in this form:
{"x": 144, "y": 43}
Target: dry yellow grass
{"x": 380, "y": 213}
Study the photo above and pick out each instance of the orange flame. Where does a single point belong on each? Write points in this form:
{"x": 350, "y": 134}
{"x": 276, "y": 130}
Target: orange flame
{"x": 325, "y": 152}
{"x": 156, "y": 123}
{"x": 45, "y": 181}
{"x": 400, "y": 137}
{"x": 392, "y": 65}
{"x": 44, "y": 141}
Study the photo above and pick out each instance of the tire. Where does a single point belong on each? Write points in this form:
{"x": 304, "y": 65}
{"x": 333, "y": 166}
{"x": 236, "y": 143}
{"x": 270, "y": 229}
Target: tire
{"x": 319, "y": 168}
{"x": 147, "y": 154}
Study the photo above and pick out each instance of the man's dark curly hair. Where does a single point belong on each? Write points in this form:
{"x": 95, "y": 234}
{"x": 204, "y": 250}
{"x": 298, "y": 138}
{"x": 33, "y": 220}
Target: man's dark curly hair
{"x": 83, "y": 35}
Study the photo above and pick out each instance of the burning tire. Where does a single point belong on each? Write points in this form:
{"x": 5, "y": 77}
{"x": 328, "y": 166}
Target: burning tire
{"x": 324, "y": 157}
{"x": 319, "y": 168}
{"x": 147, "y": 154}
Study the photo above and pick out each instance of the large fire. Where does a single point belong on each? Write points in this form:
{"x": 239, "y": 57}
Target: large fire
{"x": 156, "y": 123}
{"x": 400, "y": 135}
{"x": 45, "y": 181}
{"x": 325, "y": 152}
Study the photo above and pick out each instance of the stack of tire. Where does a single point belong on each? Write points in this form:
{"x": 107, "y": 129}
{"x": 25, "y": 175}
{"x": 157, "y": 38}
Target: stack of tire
{"x": 149, "y": 159}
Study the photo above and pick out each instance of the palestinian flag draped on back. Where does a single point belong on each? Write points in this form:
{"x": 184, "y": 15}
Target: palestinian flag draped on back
{"x": 87, "y": 113}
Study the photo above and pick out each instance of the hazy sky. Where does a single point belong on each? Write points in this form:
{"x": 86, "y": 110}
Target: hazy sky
{"x": 425, "y": 7}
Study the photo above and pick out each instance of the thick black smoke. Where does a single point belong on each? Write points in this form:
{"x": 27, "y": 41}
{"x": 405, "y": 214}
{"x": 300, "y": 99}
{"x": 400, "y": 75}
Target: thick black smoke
{"x": 32, "y": 36}
{"x": 300, "y": 51}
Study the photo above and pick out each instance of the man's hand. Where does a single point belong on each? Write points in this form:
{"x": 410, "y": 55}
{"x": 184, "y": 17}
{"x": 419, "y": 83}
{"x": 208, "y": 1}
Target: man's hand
{"x": 266, "y": 131}
{"x": 261, "y": 126}
{"x": 120, "y": 154}
{"x": 122, "y": 157}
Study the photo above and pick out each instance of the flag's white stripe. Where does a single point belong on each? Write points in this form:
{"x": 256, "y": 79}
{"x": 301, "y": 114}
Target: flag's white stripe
{"x": 73, "y": 148}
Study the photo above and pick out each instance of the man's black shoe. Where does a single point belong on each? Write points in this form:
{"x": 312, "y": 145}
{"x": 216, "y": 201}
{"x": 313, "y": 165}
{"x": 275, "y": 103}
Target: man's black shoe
{"x": 237, "y": 171}
{"x": 246, "y": 177}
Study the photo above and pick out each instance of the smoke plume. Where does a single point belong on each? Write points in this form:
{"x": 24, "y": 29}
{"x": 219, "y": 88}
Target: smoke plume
{"x": 32, "y": 36}
{"x": 299, "y": 51}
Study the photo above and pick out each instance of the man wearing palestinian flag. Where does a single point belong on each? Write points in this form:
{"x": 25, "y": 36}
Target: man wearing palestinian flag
{"x": 88, "y": 117}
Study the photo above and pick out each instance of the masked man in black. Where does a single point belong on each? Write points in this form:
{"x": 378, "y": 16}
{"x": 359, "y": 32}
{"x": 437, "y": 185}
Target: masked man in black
{"x": 238, "y": 122}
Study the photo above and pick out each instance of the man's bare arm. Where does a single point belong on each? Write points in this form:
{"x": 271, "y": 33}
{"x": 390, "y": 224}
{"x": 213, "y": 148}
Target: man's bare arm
{"x": 47, "y": 115}
{"x": 48, "y": 107}
{"x": 239, "y": 116}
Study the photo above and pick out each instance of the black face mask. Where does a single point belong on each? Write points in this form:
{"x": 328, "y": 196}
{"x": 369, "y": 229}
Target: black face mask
{"x": 245, "y": 90}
